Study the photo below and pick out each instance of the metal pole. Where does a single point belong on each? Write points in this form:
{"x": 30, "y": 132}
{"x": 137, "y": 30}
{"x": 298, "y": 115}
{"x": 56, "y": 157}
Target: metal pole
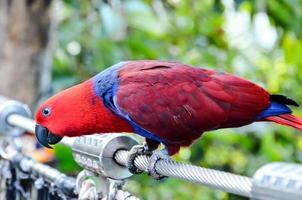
{"x": 29, "y": 125}
{"x": 21, "y": 122}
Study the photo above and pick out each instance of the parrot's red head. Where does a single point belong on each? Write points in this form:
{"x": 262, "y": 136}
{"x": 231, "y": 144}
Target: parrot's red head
{"x": 73, "y": 112}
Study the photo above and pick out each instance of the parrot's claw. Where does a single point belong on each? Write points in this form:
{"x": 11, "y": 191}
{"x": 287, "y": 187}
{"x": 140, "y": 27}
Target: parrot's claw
{"x": 135, "y": 151}
{"x": 155, "y": 157}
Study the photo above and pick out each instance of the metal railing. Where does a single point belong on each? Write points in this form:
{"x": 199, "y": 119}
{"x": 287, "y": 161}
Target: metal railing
{"x": 105, "y": 156}
{"x": 43, "y": 175}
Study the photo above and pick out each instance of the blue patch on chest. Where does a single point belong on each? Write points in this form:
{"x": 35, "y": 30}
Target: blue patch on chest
{"x": 105, "y": 85}
{"x": 104, "y": 82}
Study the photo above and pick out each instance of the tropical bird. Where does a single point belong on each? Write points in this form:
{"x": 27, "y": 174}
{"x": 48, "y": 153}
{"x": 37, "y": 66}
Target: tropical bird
{"x": 165, "y": 102}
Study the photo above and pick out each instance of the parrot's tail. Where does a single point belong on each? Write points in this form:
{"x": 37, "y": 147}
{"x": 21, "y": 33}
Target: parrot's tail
{"x": 287, "y": 120}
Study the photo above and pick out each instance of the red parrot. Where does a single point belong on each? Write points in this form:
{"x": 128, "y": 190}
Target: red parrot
{"x": 165, "y": 102}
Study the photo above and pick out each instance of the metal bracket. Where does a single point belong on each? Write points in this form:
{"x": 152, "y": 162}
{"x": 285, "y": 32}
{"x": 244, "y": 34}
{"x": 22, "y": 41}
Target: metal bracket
{"x": 96, "y": 153}
{"x": 278, "y": 181}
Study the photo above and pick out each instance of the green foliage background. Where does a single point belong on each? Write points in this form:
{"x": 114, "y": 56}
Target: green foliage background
{"x": 93, "y": 35}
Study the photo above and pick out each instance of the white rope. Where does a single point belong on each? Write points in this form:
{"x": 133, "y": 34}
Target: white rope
{"x": 228, "y": 182}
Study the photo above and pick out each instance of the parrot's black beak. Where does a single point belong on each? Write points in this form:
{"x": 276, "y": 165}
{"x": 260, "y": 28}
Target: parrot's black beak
{"x": 45, "y": 137}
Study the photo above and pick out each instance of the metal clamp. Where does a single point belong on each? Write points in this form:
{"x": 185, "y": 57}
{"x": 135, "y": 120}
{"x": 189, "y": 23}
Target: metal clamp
{"x": 96, "y": 153}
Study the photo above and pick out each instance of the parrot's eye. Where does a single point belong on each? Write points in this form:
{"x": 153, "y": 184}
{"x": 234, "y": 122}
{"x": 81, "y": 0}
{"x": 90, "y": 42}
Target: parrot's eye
{"x": 46, "y": 112}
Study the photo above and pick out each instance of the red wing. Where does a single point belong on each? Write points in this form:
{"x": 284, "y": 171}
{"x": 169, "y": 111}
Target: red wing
{"x": 177, "y": 102}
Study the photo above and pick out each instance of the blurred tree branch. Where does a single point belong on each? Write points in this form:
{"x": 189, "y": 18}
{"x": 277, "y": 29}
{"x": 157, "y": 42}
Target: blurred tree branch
{"x": 26, "y": 38}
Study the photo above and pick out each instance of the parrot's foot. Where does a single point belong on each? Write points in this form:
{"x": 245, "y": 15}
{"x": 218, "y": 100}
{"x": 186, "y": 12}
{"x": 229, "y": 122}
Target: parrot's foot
{"x": 155, "y": 157}
{"x": 135, "y": 151}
